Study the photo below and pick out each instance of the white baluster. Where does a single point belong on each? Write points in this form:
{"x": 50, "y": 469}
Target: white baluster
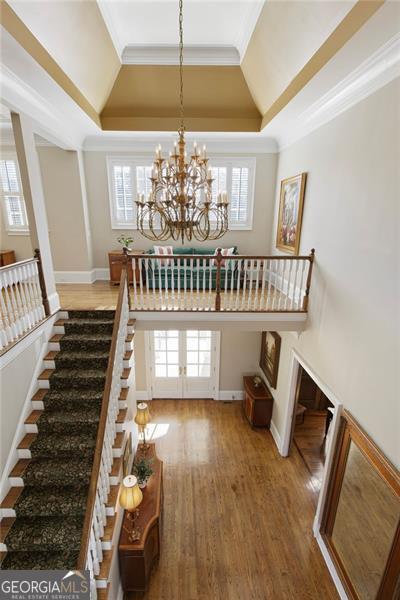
{"x": 198, "y": 284}
{"x": 184, "y": 284}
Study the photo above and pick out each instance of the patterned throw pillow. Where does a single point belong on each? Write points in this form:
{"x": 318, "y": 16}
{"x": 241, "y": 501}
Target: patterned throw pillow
{"x": 224, "y": 252}
{"x": 164, "y": 250}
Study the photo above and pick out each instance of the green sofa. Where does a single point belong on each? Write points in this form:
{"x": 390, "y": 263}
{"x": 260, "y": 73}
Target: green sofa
{"x": 163, "y": 276}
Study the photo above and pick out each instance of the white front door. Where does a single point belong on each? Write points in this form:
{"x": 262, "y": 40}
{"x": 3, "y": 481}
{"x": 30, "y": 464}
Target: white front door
{"x": 183, "y": 364}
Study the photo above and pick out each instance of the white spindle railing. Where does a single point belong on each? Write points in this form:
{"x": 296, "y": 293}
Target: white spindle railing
{"x": 21, "y": 304}
{"x": 219, "y": 283}
{"x": 91, "y": 554}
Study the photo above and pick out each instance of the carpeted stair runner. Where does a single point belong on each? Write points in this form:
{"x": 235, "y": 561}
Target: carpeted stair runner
{"x": 50, "y": 510}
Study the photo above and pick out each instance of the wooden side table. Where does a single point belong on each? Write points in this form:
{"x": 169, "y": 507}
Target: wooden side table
{"x": 116, "y": 260}
{"x": 257, "y": 403}
{"x": 136, "y": 559}
{"x": 7, "y": 257}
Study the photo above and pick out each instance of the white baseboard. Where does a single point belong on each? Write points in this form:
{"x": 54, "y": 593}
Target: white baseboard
{"x": 331, "y": 567}
{"x": 82, "y": 276}
{"x": 276, "y": 436}
{"x": 74, "y": 276}
{"x": 142, "y": 395}
{"x": 230, "y": 395}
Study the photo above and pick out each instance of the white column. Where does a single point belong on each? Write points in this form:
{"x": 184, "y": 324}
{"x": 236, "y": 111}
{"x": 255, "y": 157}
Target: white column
{"x": 34, "y": 199}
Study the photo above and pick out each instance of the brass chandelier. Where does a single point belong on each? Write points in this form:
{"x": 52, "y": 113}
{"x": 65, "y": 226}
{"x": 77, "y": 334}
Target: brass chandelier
{"x": 180, "y": 204}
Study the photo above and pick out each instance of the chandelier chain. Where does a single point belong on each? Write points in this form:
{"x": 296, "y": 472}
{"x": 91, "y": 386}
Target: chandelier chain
{"x": 182, "y": 113}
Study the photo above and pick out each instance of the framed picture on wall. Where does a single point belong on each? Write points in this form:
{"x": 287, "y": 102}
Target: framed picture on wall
{"x": 270, "y": 352}
{"x": 127, "y": 455}
{"x": 291, "y": 213}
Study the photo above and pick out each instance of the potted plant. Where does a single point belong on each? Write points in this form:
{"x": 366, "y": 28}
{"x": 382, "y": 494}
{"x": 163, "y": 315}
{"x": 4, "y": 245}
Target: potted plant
{"x": 142, "y": 469}
{"x": 125, "y": 241}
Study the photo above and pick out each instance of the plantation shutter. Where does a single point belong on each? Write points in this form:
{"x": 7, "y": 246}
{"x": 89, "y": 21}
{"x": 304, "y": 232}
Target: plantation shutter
{"x": 123, "y": 198}
{"x": 239, "y": 201}
{"x": 12, "y": 194}
{"x": 219, "y": 175}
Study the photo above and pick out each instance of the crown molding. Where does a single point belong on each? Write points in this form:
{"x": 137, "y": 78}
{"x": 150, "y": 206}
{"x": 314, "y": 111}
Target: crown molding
{"x": 246, "y": 32}
{"x": 168, "y": 54}
{"x": 229, "y": 144}
{"x": 379, "y": 69}
{"x": 106, "y": 13}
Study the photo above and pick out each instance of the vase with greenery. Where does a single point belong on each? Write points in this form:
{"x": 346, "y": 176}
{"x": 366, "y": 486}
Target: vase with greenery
{"x": 125, "y": 241}
{"x": 142, "y": 469}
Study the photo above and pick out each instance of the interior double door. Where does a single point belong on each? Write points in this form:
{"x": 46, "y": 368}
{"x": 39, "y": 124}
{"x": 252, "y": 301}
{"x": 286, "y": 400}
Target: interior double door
{"x": 183, "y": 364}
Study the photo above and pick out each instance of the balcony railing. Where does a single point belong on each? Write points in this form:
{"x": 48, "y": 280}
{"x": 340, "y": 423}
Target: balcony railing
{"x": 23, "y": 299}
{"x": 199, "y": 283}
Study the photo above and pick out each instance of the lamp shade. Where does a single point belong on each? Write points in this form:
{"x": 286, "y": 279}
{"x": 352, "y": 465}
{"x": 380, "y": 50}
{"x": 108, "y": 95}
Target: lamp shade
{"x": 142, "y": 415}
{"x": 130, "y": 495}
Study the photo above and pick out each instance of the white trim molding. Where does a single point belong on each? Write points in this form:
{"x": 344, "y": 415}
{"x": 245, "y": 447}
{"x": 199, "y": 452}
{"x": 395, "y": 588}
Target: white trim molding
{"x": 230, "y": 395}
{"x": 168, "y": 54}
{"x": 276, "y": 436}
{"x": 96, "y": 274}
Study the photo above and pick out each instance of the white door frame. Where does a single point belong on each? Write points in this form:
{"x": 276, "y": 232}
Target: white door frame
{"x": 216, "y": 365}
{"x": 296, "y": 361}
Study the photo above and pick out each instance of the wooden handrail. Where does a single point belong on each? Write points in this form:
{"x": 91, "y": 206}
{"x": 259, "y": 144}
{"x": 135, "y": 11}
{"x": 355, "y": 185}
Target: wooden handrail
{"x": 18, "y": 264}
{"x": 42, "y": 282}
{"x": 101, "y": 429}
{"x": 214, "y": 256}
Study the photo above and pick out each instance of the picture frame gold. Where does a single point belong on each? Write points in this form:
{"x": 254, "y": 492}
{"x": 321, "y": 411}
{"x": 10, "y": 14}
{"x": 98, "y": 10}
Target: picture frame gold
{"x": 270, "y": 354}
{"x": 290, "y": 217}
{"x": 127, "y": 456}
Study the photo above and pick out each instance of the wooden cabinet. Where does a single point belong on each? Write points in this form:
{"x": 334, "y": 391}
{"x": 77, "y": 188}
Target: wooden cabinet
{"x": 136, "y": 559}
{"x": 115, "y": 261}
{"x": 7, "y": 257}
{"x": 257, "y": 403}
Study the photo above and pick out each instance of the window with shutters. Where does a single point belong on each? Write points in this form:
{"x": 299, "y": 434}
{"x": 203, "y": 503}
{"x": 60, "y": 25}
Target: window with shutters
{"x": 129, "y": 176}
{"x": 12, "y": 197}
{"x": 126, "y": 178}
{"x": 236, "y": 177}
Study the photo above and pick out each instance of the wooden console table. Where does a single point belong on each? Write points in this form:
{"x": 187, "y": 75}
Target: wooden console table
{"x": 7, "y": 257}
{"x": 137, "y": 558}
{"x": 116, "y": 260}
{"x": 257, "y": 403}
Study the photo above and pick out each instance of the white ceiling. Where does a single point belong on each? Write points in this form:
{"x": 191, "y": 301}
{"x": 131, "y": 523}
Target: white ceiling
{"x": 155, "y": 22}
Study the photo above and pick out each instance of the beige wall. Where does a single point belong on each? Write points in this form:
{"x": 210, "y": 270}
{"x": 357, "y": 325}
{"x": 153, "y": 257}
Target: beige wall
{"x": 64, "y": 197}
{"x": 351, "y": 217}
{"x": 75, "y": 35}
{"x": 104, "y": 238}
{"x": 240, "y": 353}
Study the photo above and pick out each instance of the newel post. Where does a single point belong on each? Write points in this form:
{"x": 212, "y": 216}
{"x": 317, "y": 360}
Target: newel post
{"x": 126, "y": 262}
{"x": 218, "y": 280}
{"x": 42, "y": 282}
{"x": 308, "y": 283}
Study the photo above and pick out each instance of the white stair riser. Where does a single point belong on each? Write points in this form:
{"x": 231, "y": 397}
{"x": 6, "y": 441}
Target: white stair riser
{"x": 101, "y": 583}
{"x": 3, "y": 548}
{"x": 31, "y": 428}
{"x": 106, "y": 545}
{"x": 7, "y": 513}
{"x": 24, "y": 453}
{"x": 63, "y": 314}
{"x": 129, "y": 345}
{"x": 117, "y": 452}
{"x": 58, "y": 329}
{"x": 124, "y": 383}
{"x": 110, "y": 511}
{"x": 44, "y": 384}
{"x": 16, "y": 482}
{"x": 49, "y": 364}
{"x": 114, "y": 479}
{"x": 37, "y": 405}
{"x": 120, "y": 427}
{"x": 53, "y": 347}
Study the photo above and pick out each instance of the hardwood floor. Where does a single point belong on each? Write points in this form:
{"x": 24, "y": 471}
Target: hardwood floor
{"x": 309, "y": 440}
{"x": 237, "y": 522}
{"x": 99, "y": 295}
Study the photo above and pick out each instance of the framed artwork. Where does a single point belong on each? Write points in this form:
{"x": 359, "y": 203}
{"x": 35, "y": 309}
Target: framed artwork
{"x": 270, "y": 352}
{"x": 127, "y": 455}
{"x": 291, "y": 213}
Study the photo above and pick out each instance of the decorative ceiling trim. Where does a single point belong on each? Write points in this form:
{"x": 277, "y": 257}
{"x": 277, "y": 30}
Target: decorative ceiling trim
{"x": 353, "y": 21}
{"x": 168, "y": 54}
{"x": 245, "y": 33}
{"x": 15, "y": 27}
{"x": 106, "y": 13}
{"x": 214, "y": 124}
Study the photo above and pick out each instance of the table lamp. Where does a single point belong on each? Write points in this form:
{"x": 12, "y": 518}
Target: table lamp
{"x": 142, "y": 419}
{"x": 129, "y": 498}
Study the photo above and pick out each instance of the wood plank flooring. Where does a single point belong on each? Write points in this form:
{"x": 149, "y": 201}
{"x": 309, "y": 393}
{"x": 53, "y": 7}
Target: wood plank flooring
{"x": 309, "y": 438}
{"x": 237, "y": 522}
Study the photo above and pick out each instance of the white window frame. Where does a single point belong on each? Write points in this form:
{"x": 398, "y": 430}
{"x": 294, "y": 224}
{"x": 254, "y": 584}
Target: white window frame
{"x": 229, "y": 164}
{"x": 132, "y": 162}
{"x": 14, "y": 229}
{"x": 140, "y": 161}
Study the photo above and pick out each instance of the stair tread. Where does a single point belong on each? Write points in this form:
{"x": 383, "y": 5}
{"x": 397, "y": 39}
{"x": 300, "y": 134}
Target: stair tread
{"x": 46, "y": 374}
{"x": 121, "y": 415}
{"x": 128, "y": 354}
{"x": 129, "y": 337}
{"x": 131, "y": 322}
{"x": 105, "y": 565}
{"x": 34, "y": 416}
{"x": 126, "y": 373}
{"x": 123, "y": 395}
{"x": 19, "y": 467}
{"x": 112, "y": 496}
{"x": 5, "y": 525}
{"x": 39, "y": 395}
{"x": 42, "y": 502}
{"x": 109, "y": 528}
{"x": 26, "y": 441}
{"x": 51, "y": 355}
{"x": 11, "y": 498}
{"x": 119, "y": 440}
{"x": 116, "y": 466}
{"x": 56, "y": 337}
{"x": 53, "y": 533}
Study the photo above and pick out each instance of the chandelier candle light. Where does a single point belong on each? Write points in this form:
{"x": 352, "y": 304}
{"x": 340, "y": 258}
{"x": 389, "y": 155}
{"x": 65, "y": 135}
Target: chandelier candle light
{"x": 180, "y": 204}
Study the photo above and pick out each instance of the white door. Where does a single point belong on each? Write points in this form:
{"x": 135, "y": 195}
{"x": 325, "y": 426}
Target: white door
{"x": 184, "y": 364}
